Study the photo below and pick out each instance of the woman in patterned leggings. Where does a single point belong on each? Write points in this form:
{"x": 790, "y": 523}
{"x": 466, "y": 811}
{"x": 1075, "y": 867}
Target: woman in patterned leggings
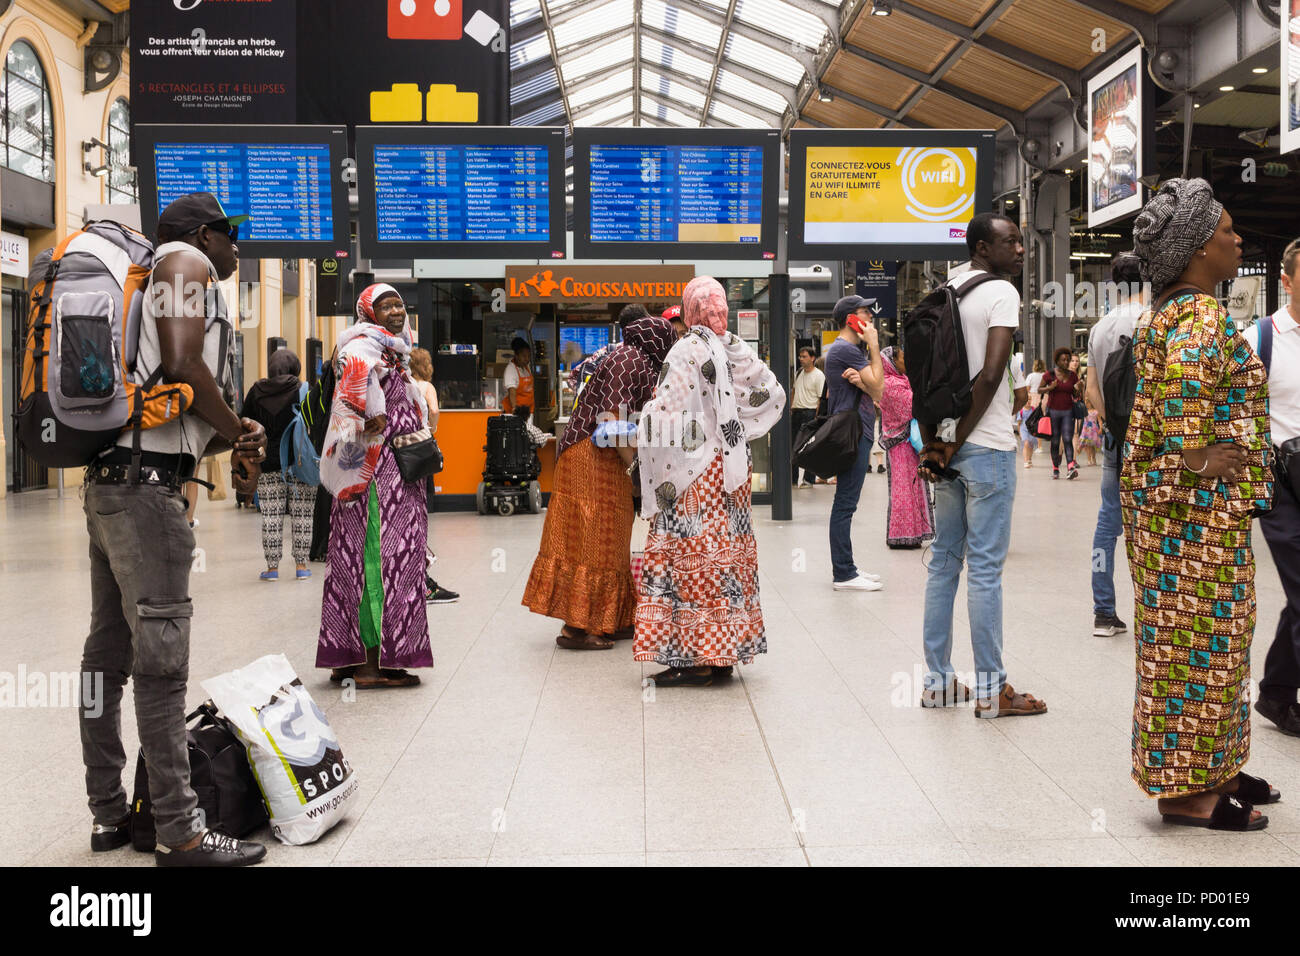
{"x": 271, "y": 402}
{"x": 1196, "y": 467}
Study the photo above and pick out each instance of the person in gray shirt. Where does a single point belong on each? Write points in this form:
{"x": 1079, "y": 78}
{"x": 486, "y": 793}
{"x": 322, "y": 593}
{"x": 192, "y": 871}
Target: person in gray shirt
{"x": 1103, "y": 342}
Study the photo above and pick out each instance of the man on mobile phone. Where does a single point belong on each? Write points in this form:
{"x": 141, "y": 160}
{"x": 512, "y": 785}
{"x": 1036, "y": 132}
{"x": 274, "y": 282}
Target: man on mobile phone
{"x": 972, "y": 510}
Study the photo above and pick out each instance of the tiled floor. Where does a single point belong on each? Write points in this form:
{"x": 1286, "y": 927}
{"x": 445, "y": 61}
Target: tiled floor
{"x": 514, "y": 752}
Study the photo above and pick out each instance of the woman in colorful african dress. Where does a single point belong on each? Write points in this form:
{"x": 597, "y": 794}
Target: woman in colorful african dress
{"x": 1195, "y": 469}
{"x": 698, "y": 611}
{"x": 373, "y": 622}
{"x": 583, "y": 570}
{"x": 911, "y": 515}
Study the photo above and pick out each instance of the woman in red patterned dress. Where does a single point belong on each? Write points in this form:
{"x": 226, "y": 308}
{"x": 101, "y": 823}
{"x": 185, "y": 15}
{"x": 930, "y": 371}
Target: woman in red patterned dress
{"x": 699, "y": 611}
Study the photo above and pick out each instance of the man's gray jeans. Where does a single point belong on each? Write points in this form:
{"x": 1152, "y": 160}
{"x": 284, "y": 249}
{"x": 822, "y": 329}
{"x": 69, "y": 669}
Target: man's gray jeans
{"x": 141, "y": 548}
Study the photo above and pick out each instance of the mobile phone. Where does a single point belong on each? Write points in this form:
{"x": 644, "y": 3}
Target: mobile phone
{"x": 951, "y": 474}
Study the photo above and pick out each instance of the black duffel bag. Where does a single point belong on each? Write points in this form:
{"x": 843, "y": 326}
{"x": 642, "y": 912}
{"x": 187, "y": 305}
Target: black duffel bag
{"x": 220, "y": 776}
{"x": 828, "y": 445}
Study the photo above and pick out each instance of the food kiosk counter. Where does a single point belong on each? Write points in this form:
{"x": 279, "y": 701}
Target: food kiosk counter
{"x": 461, "y": 435}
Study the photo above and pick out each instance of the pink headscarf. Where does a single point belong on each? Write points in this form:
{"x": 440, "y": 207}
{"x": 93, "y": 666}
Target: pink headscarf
{"x": 704, "y": 302}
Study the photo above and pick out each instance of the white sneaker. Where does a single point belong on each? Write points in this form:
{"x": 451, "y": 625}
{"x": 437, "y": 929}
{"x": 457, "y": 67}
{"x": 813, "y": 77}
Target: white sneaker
{"x": 869, "y": 576}
{"x": 859, "y": 583}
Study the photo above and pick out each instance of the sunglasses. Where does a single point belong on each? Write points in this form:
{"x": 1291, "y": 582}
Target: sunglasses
{"x": 221, "y": 226}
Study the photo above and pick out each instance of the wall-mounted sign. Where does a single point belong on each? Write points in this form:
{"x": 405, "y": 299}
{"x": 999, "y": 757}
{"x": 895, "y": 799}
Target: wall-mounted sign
{"x": 13, "y": 255}
{"x": 1290, "y": 75}
{"x": 747, "y": 323}
{"x": 878, "y": 279}
{"x": 559, "y": 283}
{"x": 1117, "y": 117}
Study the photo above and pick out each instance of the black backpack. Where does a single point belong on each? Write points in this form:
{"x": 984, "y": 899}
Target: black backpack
{"x": 220, "y": 775}
{"x": 937, "y": 365}
{"x": 1119, "y": 388}
{"x": 316, "y": 407}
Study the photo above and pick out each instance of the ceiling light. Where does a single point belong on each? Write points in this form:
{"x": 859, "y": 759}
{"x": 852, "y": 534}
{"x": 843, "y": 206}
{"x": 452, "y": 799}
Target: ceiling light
{"x": 1259, "y": 70}
{"x": 824, "y": 94}
{"x": 1068, "y": 172}
{"x": 1226, "y": 89}
{"x": 1196, "y": 106}
{"x": 881, "y": 8}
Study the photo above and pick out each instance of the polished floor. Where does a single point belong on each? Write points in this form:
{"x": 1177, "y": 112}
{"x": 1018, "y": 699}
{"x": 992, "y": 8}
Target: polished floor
{"x": 513, "y": 752}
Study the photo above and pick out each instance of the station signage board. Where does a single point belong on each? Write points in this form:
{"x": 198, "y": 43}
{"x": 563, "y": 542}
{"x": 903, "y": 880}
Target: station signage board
{"x": 561, "y": 283}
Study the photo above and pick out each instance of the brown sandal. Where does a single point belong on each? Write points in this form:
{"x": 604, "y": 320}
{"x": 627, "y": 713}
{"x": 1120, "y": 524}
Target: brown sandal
{"x": 387, "y": 679}
{"x": 582, "y": 641}
{"x": 1010, "y": 704}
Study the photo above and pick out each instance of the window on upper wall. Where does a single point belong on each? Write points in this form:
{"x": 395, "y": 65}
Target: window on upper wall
{"x": 121, "y": 178}
{"x": 28, "y": 120}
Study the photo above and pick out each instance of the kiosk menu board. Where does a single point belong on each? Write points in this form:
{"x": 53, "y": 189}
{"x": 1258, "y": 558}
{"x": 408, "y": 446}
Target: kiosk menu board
{"x": 461, "y": 192}
{"x": 286, "y": 179}
{"x": 673, "y": 194}
{"x": 887, "y": 193}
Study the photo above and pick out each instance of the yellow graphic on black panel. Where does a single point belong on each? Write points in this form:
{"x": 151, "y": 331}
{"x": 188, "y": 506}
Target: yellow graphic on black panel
{"x": 446, "y": 104}
{"x": 402, "y": 104}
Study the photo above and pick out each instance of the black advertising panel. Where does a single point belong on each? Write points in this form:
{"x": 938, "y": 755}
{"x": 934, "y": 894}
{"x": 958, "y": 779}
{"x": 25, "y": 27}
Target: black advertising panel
{"x": 287, "y": 179}
{"x": 461, "y": 192}
{"x": 320, "y": 61}
{"x": 214, "y": 61}
{"x": 887, "y": 193}
{"x": 404, "y": 61}
{"x": 675, "y": 194}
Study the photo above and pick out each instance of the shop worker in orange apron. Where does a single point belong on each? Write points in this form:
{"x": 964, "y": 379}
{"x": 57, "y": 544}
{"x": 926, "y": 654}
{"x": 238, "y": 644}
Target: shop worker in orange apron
{"x": 518, "y": 379}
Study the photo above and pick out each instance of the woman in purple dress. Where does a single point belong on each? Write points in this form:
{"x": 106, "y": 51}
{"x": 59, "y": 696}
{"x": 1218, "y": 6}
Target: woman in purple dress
{"x": 373, "y": 622}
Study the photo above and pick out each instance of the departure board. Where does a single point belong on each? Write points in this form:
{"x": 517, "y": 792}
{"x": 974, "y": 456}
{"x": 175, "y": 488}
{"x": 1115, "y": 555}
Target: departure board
{"x": 284, "y": 188}
{"x": 462, "y": 193}
{"x": 657, "y": 193}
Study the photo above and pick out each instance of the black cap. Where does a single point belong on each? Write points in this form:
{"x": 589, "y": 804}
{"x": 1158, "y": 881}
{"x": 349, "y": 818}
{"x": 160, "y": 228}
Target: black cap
{"x": 186, "y": 213}
{"x": 846, "y": 307}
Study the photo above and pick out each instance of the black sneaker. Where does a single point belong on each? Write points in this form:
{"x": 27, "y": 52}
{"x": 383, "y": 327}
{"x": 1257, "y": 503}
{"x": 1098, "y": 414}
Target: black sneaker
{"x": 434, "y": 593}
{"x": 214, "y": 849}
{"x": 1107, "y": 625}
{"x": 103, "y": 838}
{"x": 1285, "y": 715}
{"x": 1073, "y": 473}
{"x": 1056, "y": 473}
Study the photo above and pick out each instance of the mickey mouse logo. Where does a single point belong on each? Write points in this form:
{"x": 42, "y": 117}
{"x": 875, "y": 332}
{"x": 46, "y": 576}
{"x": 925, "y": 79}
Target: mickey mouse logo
{"x": 425, "y": 19}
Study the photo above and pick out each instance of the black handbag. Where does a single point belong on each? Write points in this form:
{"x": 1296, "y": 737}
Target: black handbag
{"x": 1286, "y": 465}
{"x": 220, "y": 775}
{"x": 1080, "y": 411}
{"x": 418, "y": 455}
{"x": 828, "y": 446}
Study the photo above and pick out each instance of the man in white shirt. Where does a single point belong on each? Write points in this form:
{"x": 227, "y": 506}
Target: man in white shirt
{"x": 973, "y": 509}
{"x": 1281, "y": 526}
{"x": 1103, "y": 343}
{"x": 807, "y": 392}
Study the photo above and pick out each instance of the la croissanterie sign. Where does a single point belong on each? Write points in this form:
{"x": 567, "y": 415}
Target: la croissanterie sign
{"x": 558, "y": 283}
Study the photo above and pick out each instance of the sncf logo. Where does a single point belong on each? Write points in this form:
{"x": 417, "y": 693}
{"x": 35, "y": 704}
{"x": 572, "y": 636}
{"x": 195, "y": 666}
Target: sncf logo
{"x": 956, "y": 233}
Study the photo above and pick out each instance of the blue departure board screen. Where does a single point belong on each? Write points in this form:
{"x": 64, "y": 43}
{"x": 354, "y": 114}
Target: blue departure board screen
{"x": 589, "y": 338}
{"x": 462, "y": 193}
{"x": 687, "y": 194}
{"x": 284, "y": 188}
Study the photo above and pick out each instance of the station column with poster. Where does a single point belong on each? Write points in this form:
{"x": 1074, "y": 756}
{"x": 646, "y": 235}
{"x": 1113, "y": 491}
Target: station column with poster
{"x": 887, "y": 193}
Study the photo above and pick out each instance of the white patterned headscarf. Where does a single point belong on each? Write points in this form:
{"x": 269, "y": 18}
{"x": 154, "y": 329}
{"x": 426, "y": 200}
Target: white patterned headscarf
{"x": 1174, "y": 223}
{"x": 714, "y": 395}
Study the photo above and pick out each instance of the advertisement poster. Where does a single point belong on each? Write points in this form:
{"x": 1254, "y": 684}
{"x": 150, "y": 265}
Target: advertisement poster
{"x": 1290, "y": 75}
{"x": 213, "y": 61}
{"x": 889, "y": 194}
{"x": 320, "y": 61}
{"x": 869, "y": 194}
{"x": 1115, "y": 124}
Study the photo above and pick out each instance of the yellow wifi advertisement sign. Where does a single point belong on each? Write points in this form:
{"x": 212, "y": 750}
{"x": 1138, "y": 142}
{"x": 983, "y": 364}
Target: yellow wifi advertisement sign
{"x": 882, "y": 193}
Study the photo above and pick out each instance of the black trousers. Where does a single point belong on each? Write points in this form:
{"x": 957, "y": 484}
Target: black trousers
{"x": 1281, "y": 528}
{"x": 798, "y": 418}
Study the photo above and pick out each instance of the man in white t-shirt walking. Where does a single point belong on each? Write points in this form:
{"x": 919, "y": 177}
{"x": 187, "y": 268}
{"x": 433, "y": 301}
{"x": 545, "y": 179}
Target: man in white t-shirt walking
{"x": 807, "y": 393}
{"x": 973, "y": 509}
{"x": 1281, "y": 526}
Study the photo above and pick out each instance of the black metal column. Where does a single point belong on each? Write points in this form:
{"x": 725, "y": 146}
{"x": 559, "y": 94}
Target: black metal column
{"x": 778, "y": 298}
{"x": 424, "y": 309}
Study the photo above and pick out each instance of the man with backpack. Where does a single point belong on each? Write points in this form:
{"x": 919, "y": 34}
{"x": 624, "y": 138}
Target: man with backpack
{"x": 973, "y": 460}
{"x": 1110, "y": 348}
{"x": 1276, "y": 340}
{"x": 141, "y": 545}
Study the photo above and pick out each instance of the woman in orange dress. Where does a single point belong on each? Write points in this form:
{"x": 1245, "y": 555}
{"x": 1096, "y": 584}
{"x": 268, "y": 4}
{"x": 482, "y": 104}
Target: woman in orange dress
{"x": 583, "y": 570}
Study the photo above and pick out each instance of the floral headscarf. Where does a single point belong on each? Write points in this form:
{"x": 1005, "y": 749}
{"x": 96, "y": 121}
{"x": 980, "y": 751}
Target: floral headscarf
{"x": 704, "y": 302}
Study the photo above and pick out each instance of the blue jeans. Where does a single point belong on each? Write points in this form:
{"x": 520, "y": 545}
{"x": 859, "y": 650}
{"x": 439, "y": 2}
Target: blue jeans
{"x": 1109, "y": 527}
{"x": 1062, "y": 433}
{"x": 848, "y": 489}
{"x": 972, "y": 516}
